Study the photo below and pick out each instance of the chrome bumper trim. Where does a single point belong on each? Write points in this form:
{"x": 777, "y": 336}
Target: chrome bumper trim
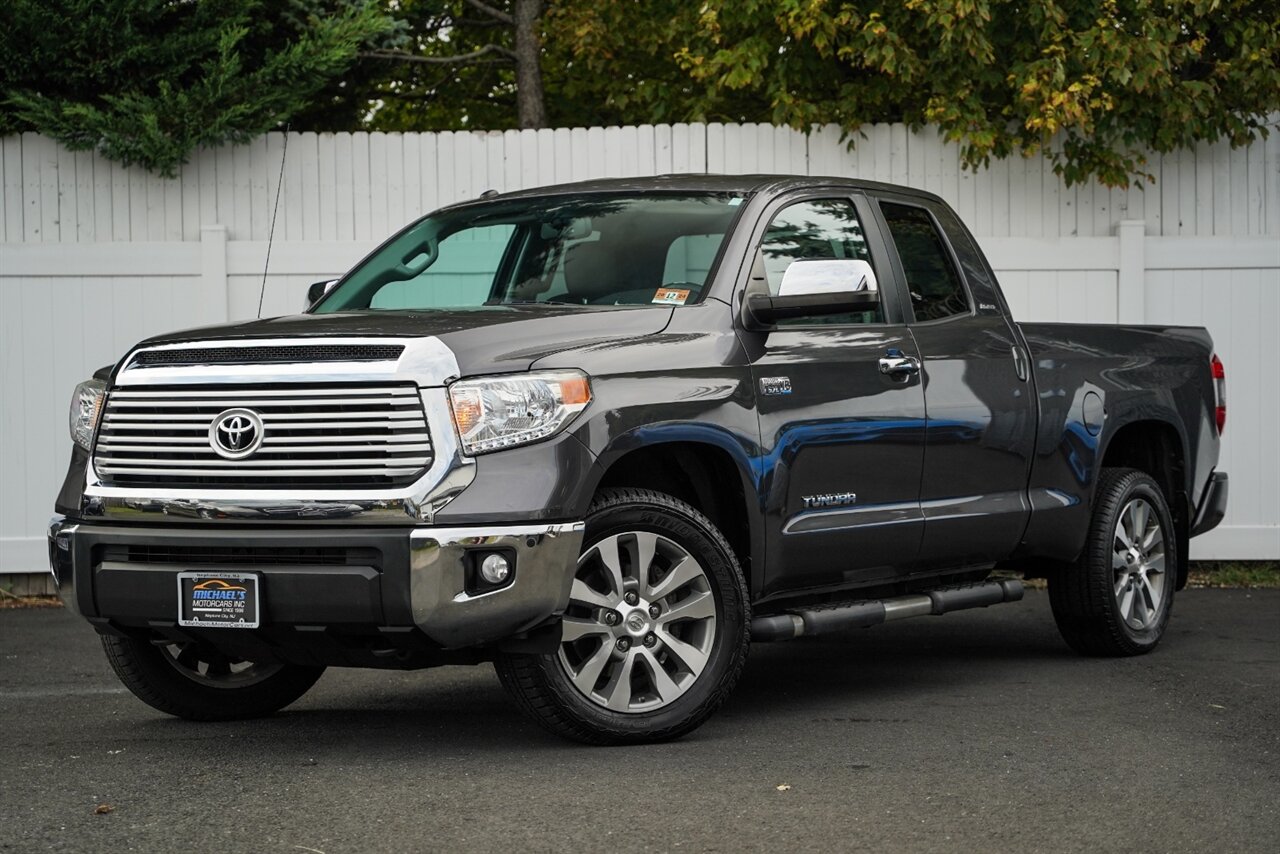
{"x": 546, "y": 557}
{"x": 61, "y": 563}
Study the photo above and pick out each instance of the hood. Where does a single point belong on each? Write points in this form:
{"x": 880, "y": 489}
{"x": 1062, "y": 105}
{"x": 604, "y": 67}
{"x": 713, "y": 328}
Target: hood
{"x": 491, "y": 339}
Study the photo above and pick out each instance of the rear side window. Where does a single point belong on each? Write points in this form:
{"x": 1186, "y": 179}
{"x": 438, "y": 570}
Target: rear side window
{"x": 935, "y": 288}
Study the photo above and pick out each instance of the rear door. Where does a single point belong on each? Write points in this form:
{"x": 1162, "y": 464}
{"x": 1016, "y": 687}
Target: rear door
{"x": 842, "y": 442}
{"x": 979, "y": 398}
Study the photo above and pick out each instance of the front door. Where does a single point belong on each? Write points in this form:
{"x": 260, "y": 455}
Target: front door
{"x": 842, "y": 442}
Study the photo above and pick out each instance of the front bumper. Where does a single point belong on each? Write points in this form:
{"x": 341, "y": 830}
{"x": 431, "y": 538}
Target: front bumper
{"x": 322, "y": 580}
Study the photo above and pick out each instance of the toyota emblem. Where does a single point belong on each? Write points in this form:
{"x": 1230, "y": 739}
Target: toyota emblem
{"x": 236, "y": 433}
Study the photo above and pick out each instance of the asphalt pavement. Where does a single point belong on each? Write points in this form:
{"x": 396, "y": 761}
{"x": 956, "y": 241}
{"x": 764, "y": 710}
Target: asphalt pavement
{"x": 977, "y": 731}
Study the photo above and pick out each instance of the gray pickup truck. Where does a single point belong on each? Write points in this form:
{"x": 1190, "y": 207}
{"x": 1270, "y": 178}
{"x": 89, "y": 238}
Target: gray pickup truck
{"x": 607, "y": 435}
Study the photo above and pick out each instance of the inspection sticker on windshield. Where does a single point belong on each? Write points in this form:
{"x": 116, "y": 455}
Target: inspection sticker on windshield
{"x": 218, "y": 600}
{"x": 671, "y": 296}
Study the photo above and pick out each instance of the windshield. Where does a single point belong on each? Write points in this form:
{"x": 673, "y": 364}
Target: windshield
{"x": 592, "y": 249}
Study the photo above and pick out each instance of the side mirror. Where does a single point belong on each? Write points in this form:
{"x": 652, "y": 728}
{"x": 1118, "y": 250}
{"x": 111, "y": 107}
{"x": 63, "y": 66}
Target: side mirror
{"x": 816, "y": 287}
{"x": 316, "y": 292}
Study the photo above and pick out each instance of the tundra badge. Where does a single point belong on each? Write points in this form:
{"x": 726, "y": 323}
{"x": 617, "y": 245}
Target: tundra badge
{"x": 830, "y": 499}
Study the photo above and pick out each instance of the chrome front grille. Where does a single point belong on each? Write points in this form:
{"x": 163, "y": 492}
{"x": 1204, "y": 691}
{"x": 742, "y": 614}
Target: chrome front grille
{"x": 320, "y": 436}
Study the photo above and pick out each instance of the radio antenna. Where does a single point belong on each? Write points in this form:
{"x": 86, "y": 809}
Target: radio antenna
{"x": 262, "y": 292}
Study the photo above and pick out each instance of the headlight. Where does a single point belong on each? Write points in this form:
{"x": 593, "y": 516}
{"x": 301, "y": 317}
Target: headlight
{"x": 502, "y": 412}
{"x": 86, "y": 406}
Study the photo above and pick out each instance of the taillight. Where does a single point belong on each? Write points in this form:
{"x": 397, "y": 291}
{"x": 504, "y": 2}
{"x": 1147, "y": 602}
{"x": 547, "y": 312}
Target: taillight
{"x": 1219, "y": 392}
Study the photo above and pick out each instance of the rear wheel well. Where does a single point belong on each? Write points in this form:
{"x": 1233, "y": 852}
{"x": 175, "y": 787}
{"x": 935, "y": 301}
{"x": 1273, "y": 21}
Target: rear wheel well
{"x": 701, "y": 475}
{"x": 1153, "y": 447}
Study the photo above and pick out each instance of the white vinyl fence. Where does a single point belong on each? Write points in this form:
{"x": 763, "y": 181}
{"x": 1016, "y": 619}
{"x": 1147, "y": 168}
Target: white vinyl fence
{"x": 94, "y": 256}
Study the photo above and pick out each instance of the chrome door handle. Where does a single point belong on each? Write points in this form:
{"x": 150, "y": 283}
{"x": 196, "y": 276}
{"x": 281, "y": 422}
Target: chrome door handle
{"x": 894, "y": 364}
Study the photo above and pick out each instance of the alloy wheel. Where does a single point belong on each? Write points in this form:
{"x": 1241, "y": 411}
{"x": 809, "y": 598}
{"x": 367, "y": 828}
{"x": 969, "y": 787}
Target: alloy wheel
{"x": 1138, "y": 565}
{"x": 640, "y": 625}
{"x": 215, "y": 670}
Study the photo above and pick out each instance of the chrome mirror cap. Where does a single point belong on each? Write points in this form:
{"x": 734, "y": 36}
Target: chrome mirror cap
{"x": 828, "y": 276}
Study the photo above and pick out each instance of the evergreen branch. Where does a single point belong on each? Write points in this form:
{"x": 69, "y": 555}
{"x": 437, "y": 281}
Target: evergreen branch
{"x": 397, "y": 55}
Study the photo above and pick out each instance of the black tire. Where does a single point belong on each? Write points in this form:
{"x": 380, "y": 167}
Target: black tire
{"x": 543, "y": 690}
{"x": 1087, "y": 596}
{"x": 155, "y": 677}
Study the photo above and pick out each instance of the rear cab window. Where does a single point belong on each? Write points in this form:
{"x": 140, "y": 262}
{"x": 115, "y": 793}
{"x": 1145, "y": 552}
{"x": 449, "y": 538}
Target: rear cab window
{"x": 935, "y": 288}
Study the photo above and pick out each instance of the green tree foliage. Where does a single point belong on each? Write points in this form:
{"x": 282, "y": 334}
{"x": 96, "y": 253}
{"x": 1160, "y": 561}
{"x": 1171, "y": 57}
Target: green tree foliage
{"x": 148, "y": 81}
{"x": 451, "y": 64}
{"x": 454, "y": 64}
{"x": 619, "y": 63}
{"x": 1090, "y": 82}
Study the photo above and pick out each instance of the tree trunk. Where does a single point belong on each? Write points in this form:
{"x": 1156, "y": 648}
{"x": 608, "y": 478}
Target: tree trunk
{"x": 531, "y": 108}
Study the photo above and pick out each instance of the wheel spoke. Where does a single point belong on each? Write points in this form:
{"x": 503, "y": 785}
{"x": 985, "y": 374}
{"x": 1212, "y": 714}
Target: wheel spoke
{"x": 219, "y": 667}
{"x": 1155, "y": 563}
{"x": 1126, "y": 603}
{"x": 574, "y": 628}
{"x": 663, "y": 684}
{"x": 1154, "y": 535}
{"x": 1124, "y": 531}
{"x": 189, "y": 658}
{"x": 1150, "y": 598}
{"x": 1141, "y": 512}
{"x": 1140, "y": 611}
{"x": 1121, "y": 580}
{"x": 617, "y": 691}
{"x": 687, "y": 654}
{"x": 681, "y": 574}
{"x": 612, "y": 562}
{"x": 645, "y": 547}
{"x": 586, "y": 595}
{"x": 696, "y": 607}
{"x": 589, "y": 673}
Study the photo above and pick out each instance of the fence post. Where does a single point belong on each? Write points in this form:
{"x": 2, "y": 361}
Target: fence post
{"x": 1131, "y": 279}
{"x": 215, "y": 291}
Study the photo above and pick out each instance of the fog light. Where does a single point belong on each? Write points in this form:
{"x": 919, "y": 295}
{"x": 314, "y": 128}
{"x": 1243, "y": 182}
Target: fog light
{"x": 494, "y": 569}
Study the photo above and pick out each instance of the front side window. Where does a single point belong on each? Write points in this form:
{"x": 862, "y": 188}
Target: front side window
{"x": 592, "y": 249}
{"x": 817, "y": 229}
{"x": 935, "y": 288}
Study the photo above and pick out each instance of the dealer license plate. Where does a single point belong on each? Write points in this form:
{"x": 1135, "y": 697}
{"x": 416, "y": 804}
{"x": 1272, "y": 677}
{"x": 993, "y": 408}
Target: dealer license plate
{"x": 214, "y": 600}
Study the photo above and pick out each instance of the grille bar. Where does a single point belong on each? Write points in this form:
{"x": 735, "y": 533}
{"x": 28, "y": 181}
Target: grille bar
{"x": 226, "y": 402}
{"x": 266, "y": 416}
{"x": 197, "y": 394}
{"x": 205, "y": 449}
{"x": 212, "y": 462}
{"x": 319, "y": 436}
{"x": 243, "y": 473}
{"x": 203, "y": 426}
{"x": 143, "y": 442}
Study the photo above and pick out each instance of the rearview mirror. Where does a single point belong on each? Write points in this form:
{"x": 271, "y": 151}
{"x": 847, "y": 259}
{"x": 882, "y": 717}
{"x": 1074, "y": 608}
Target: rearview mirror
{"x": 816, "y": 287}
{"x": 316, "y": 292}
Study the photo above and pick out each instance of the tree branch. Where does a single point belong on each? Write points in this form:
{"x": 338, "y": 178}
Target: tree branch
{"x": 492, "y": 12}
{"x": 401, "y": 56}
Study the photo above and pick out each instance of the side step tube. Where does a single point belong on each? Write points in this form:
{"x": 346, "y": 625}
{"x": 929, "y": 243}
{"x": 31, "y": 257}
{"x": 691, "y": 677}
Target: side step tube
{"x": 855, "y": 615}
